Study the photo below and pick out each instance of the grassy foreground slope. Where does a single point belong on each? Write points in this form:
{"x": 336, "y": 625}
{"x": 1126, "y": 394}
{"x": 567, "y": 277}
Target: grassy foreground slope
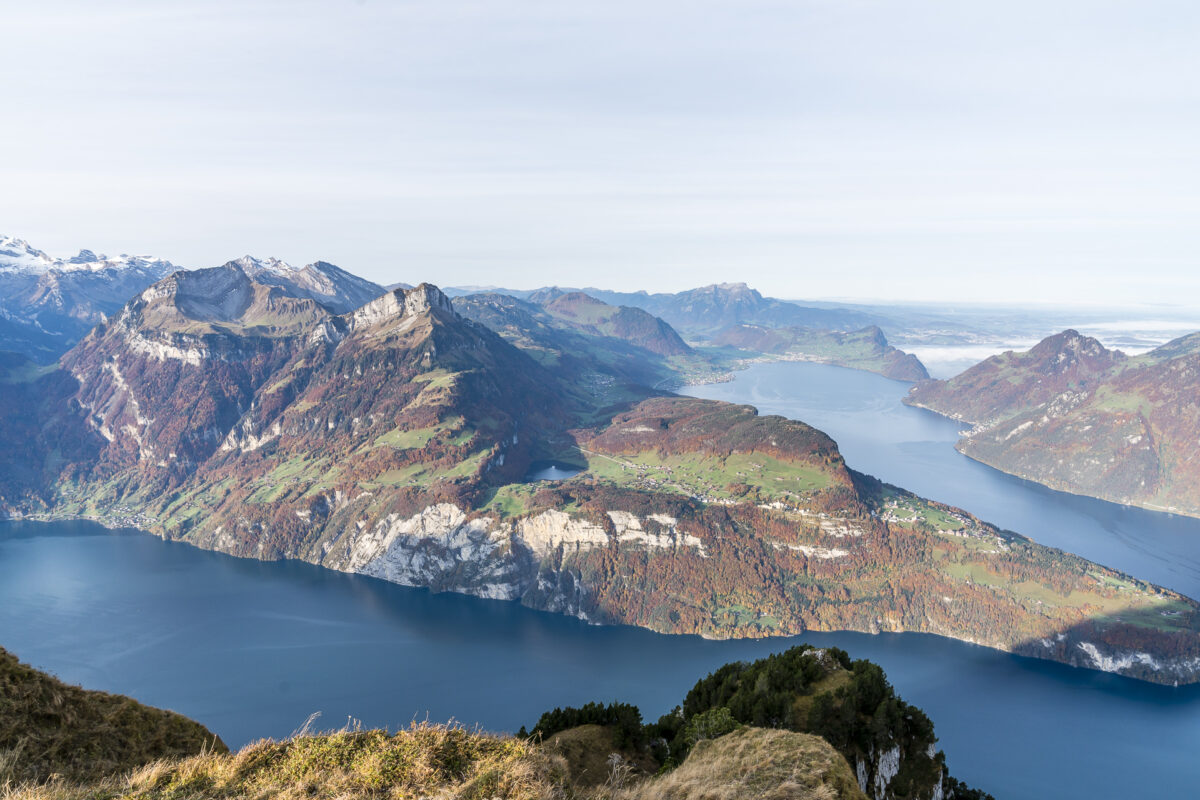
{"x": 451, "y": 763}
{"x": 50, "y": 728}
{"x": 751, "y": 762}
{"x": 805, "y": 723}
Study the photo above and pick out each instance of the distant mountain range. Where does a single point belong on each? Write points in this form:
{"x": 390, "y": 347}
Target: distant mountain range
{"x": 736, "y": 317}
{"x": 265, "y": 412}
{"x": 708, "y": 310}
{"x": 47, "y": 304}
{"x": 1078, "y": 417}
{"x": 865, "y": 349}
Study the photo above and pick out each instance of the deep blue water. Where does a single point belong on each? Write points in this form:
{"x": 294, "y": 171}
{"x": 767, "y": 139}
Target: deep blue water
{"x": 251, "y": 648}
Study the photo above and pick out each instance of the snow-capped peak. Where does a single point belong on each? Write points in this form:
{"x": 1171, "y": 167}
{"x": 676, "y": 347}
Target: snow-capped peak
{"x": 16, "y": 255}
{"x": 251, "y": 265}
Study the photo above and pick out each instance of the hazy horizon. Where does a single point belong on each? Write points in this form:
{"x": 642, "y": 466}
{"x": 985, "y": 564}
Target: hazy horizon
{"x": 914, "y": 151}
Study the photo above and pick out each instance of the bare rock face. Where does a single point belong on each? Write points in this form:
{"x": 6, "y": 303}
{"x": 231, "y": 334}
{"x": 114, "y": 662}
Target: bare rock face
{"x": 331, "y": 286}
{"x": 221, "y": 294}
{"x": 398, "y": 304}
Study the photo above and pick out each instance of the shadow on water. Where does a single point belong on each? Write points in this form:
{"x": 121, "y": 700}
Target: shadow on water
{"x": 252, "y": 648}
{"x": 551, "y": 471}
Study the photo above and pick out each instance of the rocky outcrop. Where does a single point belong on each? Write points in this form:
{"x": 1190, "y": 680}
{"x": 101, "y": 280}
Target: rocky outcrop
{"x": 444, "y": 548}
{"x": 399, "y": 304}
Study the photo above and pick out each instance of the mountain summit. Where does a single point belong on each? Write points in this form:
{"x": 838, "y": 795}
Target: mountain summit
{"x": 1078, "y": 417}
{"x": 47, "y": 304}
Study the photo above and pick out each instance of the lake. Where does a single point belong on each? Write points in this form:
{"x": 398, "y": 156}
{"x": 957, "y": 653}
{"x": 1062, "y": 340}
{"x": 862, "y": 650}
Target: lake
{"x": 251, "y": 648}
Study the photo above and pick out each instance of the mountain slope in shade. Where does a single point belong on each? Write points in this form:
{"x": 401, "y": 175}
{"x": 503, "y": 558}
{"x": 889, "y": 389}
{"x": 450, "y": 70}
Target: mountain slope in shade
{"x": 50, "y": 728}
{"x": 600, "y": 369}
{"x": 1079, "y": 418}
{"x": 629, "y": 324}
{"x": 865, "y": 349}
{"x": 610, "y": 354}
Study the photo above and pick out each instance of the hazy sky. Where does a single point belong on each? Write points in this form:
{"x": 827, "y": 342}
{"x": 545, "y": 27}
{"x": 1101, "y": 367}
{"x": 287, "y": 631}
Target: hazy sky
{"x": 831, "y": 148}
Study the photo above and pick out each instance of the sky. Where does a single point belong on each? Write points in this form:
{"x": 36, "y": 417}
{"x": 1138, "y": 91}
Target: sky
{"x": 891, "y": 150}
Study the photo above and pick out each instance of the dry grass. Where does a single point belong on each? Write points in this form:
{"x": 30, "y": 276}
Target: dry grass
{"x": 426, "y": 761}
{"x": 48, "y": 728}
{"x": 593, "y": 758}
{"x": 754, "y": 763}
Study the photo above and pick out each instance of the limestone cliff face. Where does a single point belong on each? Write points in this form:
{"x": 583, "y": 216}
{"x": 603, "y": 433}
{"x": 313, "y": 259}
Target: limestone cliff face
{"x": 444, "y": 548}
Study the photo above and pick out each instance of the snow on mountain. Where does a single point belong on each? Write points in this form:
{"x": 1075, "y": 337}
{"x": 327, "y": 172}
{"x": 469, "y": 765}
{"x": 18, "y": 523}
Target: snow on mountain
{"x": 18, "y": 256}
{"x": 332, "y": 286}
{"x": 47, "y": 304}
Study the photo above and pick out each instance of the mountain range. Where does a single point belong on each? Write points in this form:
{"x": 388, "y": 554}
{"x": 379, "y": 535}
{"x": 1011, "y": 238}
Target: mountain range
{"x": 239, "y": 412}
{"x": 1078, "y": 417}
{"x": 707, "y": 310}
{"x": 731, "y": 323}
{"x": 47, "y": 304}
{"x": 865, "y": 349}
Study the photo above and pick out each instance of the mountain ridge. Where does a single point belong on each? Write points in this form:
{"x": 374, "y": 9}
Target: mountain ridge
{"x": 1077, "y": 417}
{"x": 706, "y": 310}
{"x": 48, "y": 304}
{"x": 865, "y": 349}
